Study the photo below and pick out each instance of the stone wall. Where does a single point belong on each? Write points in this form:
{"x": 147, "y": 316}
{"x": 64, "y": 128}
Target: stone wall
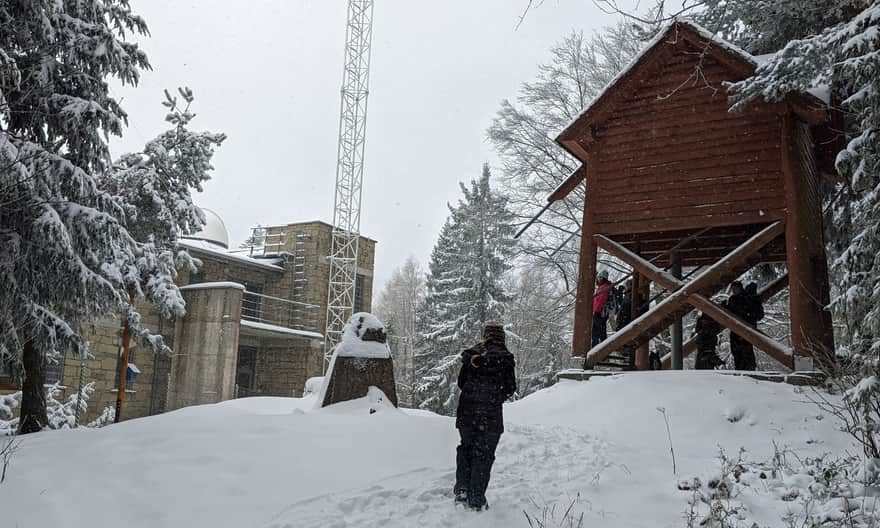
{"x": 317, "y": 238}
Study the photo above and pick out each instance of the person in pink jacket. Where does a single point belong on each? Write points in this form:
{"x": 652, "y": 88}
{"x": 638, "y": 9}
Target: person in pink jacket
{"x": 600, "y": 308}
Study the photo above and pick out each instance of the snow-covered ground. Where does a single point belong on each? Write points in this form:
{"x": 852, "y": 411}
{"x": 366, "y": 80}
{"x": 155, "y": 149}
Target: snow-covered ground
{"x": 276, "y": 462}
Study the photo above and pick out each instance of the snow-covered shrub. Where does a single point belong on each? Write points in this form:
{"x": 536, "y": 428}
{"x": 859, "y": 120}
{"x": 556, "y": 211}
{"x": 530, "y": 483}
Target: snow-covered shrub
{"x": 815, "y": 492}
{"x": 62, "y": 414}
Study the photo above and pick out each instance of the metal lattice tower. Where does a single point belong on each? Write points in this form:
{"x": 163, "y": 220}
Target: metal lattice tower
{"x": 349, "y": 171}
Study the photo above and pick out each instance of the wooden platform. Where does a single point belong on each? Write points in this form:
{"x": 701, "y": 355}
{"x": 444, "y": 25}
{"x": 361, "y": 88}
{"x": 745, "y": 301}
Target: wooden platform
{"x": 812, "y": 378}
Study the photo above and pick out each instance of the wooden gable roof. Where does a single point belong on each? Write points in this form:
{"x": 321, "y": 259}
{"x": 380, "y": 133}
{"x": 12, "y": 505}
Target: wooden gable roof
{"x": 677, "y": 37}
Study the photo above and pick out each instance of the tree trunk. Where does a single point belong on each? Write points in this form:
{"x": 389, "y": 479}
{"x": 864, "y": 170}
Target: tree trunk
{"x": 33, "y": 394}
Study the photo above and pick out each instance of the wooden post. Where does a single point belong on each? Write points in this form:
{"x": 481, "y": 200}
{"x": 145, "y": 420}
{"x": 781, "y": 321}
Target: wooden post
{"x": 123, "y": 363}
{"x": 644, "y": 351}
{"x": 583, "y": 312}
{"x": 811, "y": 326}
{"x": 677, "y": 327}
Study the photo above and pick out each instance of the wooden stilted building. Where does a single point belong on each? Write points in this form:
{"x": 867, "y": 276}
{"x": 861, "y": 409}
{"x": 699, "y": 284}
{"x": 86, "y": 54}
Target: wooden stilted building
{"x": 672, "y": 175}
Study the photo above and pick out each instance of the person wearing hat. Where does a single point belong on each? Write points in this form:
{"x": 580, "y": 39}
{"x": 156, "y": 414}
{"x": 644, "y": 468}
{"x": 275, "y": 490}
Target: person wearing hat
{"x": 600, "y": 305}
{"x": 486, "y": 380}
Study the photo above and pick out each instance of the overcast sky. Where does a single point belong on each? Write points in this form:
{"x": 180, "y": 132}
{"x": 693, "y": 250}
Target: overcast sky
{"x": 268, "y": 73}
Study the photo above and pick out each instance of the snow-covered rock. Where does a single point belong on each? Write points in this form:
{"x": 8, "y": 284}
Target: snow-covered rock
{"x": 363, "y": 336}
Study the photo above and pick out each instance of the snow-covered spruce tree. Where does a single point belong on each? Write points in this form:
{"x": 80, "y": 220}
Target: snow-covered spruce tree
{"x": 60, "y": 234}
{"x": 523, "y": 134}
{"x": 156, "y": 186}
{"x": 397, "y": 307}
{"x": 464, "y": 288}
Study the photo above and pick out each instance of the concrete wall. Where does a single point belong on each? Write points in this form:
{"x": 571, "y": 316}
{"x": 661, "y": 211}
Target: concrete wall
{"x": 206, "y": 349}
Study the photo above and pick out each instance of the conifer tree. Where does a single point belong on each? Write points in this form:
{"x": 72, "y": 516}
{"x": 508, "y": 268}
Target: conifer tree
{"x": 464, "y": 289}
{"x": 60, "y": 234}
{"x": 79, "y": 235}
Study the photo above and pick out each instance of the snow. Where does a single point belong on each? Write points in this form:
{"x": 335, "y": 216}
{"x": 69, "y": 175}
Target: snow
{"x": 281, "y": 329}
{"x": 820, "y": 91}
{"x": 219, "y": 251}
{"x": 212, "y": 286}
{"x": 352, "y": 344}
{"x": 280, "y": 463}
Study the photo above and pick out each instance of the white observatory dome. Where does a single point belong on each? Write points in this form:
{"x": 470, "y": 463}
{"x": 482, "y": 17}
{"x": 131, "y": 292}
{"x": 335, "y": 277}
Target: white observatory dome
{"x": 214, "y": 230}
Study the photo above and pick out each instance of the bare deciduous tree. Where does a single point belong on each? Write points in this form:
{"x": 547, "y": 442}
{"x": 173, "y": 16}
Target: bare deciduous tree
{"x": 533, "y": 164}
{"x": 396, "y": 306}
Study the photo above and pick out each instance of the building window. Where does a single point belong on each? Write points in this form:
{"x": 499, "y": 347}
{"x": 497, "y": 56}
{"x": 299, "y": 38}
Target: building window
{"x": 246, "y": 372}
{"x": 359, "y": 282}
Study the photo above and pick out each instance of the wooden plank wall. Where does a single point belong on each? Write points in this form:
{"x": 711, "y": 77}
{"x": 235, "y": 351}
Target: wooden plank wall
{"x": 672, "y": 157}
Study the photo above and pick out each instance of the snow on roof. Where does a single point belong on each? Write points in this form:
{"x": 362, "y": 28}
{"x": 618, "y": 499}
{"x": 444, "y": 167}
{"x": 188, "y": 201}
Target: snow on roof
{"x": 819, "y": 92}
{"x": 352, "y": 343}
{"x": 211, "y": 286}
{"x": 281, "y": 329}
{"x": 215, "y": 250}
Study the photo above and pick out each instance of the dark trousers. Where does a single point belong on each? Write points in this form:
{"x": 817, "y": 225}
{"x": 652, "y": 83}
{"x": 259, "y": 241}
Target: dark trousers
{"x": 474, "y": 459}
{"x": 707, "y": 359}
{"x": 600, "y": 329}
{"x": 743, "y": 353}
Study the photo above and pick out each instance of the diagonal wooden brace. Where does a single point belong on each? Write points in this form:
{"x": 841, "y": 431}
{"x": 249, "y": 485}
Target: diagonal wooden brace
{"x": 689, "y": 293}
{"x": 766, "y": 293}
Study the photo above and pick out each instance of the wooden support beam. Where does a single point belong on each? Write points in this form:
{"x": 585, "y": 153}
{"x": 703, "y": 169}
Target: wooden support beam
{"x": 812, "y": 333}
{"x": 765, "y": 294}
{"x": 724, "y": 317}
{"x": 682, "y": 293}
{"x": 586, "y": 289}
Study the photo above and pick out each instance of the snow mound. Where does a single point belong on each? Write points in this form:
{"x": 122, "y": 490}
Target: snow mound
{"x": 584, "y": 447}
{"x": 313, "y": 386}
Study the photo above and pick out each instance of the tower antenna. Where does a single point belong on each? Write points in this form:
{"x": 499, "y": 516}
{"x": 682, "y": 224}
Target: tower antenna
{"x": 349, "y": 172}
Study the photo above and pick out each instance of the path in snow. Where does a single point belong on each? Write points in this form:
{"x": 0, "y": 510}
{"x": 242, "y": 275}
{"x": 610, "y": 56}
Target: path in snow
{"x": 535, "y": 466}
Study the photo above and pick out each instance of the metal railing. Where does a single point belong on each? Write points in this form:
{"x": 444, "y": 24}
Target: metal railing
{"x": 280, "y": 312}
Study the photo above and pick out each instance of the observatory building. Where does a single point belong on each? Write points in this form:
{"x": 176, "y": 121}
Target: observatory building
{"x": 254, "y": 324}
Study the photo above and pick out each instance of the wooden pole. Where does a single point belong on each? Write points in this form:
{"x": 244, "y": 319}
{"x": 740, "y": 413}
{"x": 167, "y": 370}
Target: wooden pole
{"x": 812, "y": 332}
{"x": 123, "y": 363}
{"x": 583, "y": 312}
{"x": 643, "y": 352}
{"x": 677, "y": 327}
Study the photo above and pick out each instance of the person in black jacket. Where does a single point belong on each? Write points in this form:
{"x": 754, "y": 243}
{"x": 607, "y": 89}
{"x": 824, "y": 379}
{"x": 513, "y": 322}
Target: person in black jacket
{"x": 486, "y": 380}
{"x": 756, "y": 306}
{"x": 743, "y": 352}
{"x": 707, "y": 330}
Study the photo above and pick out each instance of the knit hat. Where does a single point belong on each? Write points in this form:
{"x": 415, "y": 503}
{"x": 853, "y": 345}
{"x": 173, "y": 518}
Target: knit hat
{"x": 493, "y": 331}
{"x": 603, "y": 274}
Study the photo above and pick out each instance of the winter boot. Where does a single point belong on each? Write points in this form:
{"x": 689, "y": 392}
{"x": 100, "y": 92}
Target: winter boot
{"x": 461, "y": 496}
{"x": 478, "y": 506}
